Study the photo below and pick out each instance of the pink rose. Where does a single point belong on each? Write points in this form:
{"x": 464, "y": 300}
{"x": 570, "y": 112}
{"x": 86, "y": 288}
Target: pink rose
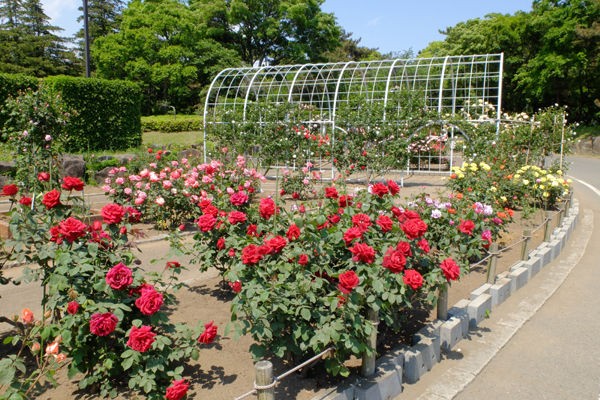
{"x": 177, "y": 390}
{"x": 150, "y": 301}
{"x": 209, "y": 334}
{"x": 119, "y": 277}
{"x": 141, "y": 339}
{"x": 103, "y": 324}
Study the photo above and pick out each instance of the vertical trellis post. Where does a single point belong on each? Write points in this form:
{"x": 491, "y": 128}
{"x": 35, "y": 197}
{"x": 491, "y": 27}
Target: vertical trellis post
{"x": 547, "y": 226}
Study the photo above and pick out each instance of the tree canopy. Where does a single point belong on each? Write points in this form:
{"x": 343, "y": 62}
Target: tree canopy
{"x": 552, "y": 54}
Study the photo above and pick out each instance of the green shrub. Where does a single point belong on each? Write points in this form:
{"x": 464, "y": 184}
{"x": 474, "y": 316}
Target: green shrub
{"x": 10, "y": 85}
{"x": 171, "y": 123}
{"x": 108, "y": 113}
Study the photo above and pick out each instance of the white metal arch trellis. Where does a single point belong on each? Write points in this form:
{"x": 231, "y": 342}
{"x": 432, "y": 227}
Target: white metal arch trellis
{"x": 446, "y": 84}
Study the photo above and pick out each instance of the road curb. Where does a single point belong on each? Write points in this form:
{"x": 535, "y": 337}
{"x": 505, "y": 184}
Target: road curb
{"x": 412, "y": 363}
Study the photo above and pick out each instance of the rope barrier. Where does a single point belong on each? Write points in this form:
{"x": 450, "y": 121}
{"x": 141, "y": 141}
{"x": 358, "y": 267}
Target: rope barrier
{"x": 285, "y": 374}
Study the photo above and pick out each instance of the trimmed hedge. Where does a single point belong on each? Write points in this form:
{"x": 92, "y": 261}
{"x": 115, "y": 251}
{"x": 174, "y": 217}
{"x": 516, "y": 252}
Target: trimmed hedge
{"x": 11, "y": 84}
{"x": 171, "y": 123}
{"x": 108, "y": 113}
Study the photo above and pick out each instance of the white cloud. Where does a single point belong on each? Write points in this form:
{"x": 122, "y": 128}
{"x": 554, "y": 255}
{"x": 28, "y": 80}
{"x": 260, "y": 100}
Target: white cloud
{"x": 60, "y": 9}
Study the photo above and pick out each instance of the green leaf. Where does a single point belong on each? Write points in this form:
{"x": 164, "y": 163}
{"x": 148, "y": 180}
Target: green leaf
{"x": 305, "y": 313}
{"x": 7, "y": 372}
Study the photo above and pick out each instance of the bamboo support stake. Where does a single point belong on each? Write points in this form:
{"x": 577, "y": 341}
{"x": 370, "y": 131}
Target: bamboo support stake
{"x": 491, "y": 272}
{"x": 547, "y": 230}
{"x": 368, "y": 360}
{"x": 442, "y": 303}
{"x": 525, "y": 246}
{"x": 264, "y": 385}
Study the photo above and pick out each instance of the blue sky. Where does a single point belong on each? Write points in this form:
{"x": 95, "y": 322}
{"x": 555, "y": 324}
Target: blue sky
{"x": 389, "y": 25}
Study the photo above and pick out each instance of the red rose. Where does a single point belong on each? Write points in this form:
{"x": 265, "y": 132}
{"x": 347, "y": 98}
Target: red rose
{"x": 220, "y": 243}
{"x": 466, "y": 227}
{"x": 238, "y": 198}
{"x": 331, "y": 193}
{"x": 72, "y": 183}
{"x": 293, "y": 232}
{"x": 424, "y": 245}
{"x": 362, "y": 252}
{"x": 333, "y": 219}
{"x": 345, "y": 201}
{"x": 172, "y": 264}
{"x": 276, "y": 244}
{"x": 72, "y": 229}
{"x": 362, "y": 222}
{"x": 51, "y": 199}
{"x": 236, "y": 217}
{"x": 252, "y": 230}
{"x": 141, "y": 339}
{"x": 413, "y": 279}
{"x": 414, "y": 228}
{"x": 352, "y": 234}
{"x": 347, "y": 281}
{"x": 119, "y": 277}
{"x": 72, "y": 307}
{"x": 379, "y": 189}
{"x": 393, "y": 186}
{"x": 450, "y": 269}
{"x": 112, "y": 213}
{"x": 303, "y": 259}
{"x": 25, "y": 201}
{"x": 267, "y": 208}
{"x": 55, "y": 235}
{"x": 177, "y": 390}
{"x": 394, "y": 260}
{"x": 236, "y": 286}
{"x": 134, "y": 215}
{"x": 410, "y": 214}
{"x": 209, "y": 334}
{"x": 43, "y": 177}
{"x": 397, "y": 212}
{"x": 404, "y": 247}
{"x": 252, "y": 254}
{"x": 385, "y": 223}
{"x": 103, "y": 324}
{"x": 149, "y": 302}
{"x": 9, "y": 190}
{"x": 206, "y": 222}
{"x": 210, "y": 210}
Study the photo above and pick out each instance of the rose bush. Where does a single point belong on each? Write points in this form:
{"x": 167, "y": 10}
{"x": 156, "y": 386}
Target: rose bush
{"x": 167, "y": 192}
{"x": 305, "y": 280}
{"x": 105, "y": 314}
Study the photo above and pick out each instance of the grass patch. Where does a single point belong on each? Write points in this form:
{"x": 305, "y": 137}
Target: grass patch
{"x": 175, "y": 139}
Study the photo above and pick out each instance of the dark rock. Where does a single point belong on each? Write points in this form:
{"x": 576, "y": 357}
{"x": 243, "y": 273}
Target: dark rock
{"x": 104, "y": 158}
{"x": 73, "y": 165}
{"x": 126, "y": 158}
{"x": 7, "y": 167}
{"x": 102, "y": 175}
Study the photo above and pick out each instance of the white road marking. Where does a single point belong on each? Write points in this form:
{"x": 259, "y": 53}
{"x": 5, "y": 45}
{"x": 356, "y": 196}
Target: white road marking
{"x": 592, "y": 187}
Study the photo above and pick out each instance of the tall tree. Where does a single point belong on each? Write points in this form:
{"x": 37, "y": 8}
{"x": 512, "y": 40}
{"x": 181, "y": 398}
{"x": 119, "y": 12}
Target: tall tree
{"x": 271, "y": 31}
{"x": 351, "y": 50}
{"x": 552, "y": 54}
{"x": 159, "y": 45}
{"x": 29, "y": 44}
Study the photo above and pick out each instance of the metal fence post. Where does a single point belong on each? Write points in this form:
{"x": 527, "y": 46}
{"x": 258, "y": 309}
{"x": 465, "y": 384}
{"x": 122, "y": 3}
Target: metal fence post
{"x": 525, "y": 246}
{"x": 442, "y": 303}
{"x": 368, "y": 360}
{"x": 491, "y": 272}
{"x": 265, "y": 388}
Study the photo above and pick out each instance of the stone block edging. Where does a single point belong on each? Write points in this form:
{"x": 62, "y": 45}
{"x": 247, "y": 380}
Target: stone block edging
{"x": 409, "y": 364}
